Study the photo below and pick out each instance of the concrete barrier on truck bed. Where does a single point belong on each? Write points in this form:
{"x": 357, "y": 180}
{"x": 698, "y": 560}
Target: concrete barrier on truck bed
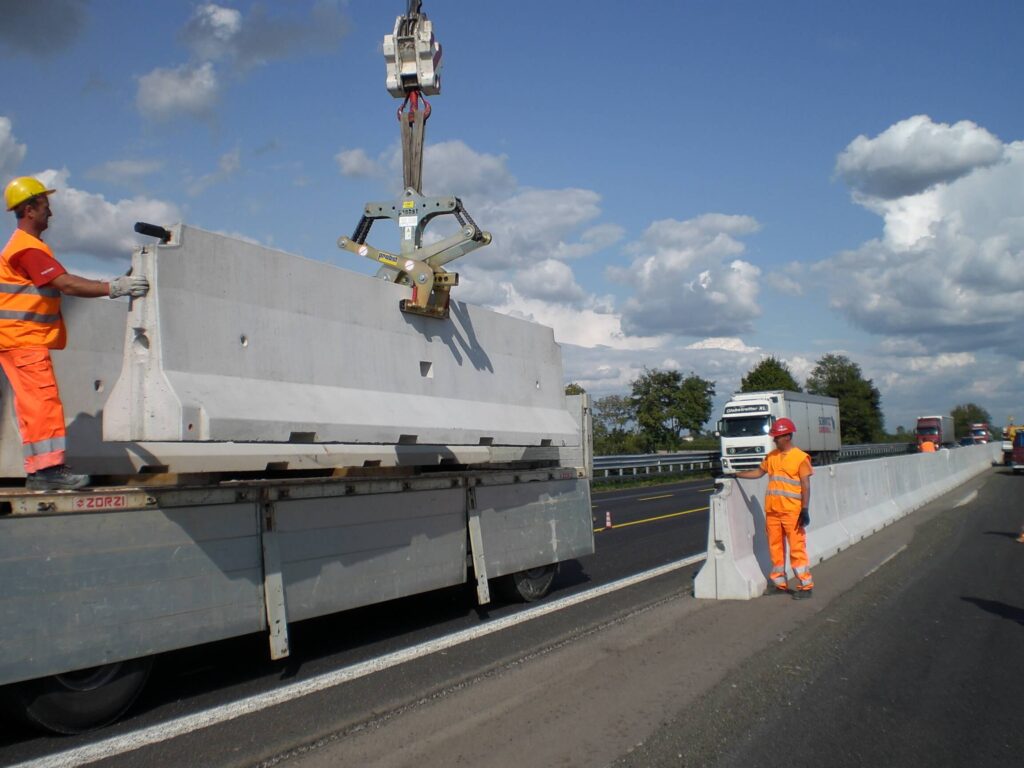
{"x": 239, "y": 342}
{"x": 479, "y": 378}
{"x": 848, "y": 503}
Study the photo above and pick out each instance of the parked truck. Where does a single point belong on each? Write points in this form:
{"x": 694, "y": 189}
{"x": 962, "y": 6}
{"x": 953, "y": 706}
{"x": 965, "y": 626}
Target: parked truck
{"x": 1009, "y": 436}
{"x": 748, "y": 416}
{"x": 935, "y": 429}
{"x": 273, "y": 438}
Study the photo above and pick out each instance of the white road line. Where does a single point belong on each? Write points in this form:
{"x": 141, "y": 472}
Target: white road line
{"x": 890, "y": 557}
{"x": 181, "y": 726}
{"x": 967, "y": 499}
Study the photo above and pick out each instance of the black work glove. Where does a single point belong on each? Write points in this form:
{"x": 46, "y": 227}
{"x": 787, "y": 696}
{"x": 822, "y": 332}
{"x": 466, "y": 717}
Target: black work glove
{"x": 805, "y": 518}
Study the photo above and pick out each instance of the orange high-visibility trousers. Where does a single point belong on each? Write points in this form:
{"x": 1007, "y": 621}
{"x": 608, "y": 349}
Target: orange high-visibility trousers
{"x": 782, "y": 529}
{"x": 37, "y": 405}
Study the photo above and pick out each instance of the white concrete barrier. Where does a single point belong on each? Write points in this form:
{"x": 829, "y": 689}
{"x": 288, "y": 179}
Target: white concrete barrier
{"x": 237, "y": 342}
{"x": 848, "y": 503}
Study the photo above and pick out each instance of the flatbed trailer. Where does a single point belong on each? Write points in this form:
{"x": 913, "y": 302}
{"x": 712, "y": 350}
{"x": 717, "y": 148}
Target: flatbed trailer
{"x": 100, "y": 581}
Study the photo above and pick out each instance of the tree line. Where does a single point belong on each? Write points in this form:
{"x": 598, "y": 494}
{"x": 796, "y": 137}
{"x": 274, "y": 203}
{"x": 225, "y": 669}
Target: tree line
{"x": 664, "y": 406}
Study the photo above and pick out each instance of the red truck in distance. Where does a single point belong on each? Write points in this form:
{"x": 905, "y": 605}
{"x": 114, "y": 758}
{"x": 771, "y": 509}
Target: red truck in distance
{"x": 980, "y": 433}
{"x": 935, "y": 429}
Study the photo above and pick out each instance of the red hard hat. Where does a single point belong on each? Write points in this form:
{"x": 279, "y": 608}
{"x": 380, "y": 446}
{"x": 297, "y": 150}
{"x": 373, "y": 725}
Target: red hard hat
{"x": 782, "y": 427}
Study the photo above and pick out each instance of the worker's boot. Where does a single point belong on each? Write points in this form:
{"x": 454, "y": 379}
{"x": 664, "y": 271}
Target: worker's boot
{"x": 58, "y": 478}
{"x": 802, "y": 594}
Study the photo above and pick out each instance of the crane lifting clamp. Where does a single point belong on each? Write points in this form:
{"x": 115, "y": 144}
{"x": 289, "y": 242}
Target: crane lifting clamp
{"x": 413, "y": 60}
{"x": 412, "y": 55}
{"x": 418, "y": 266}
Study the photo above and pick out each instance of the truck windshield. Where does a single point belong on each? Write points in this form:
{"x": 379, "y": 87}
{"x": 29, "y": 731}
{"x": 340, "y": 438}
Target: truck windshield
{"x": 747, "y": 426}
{"x": 927, "y": 430}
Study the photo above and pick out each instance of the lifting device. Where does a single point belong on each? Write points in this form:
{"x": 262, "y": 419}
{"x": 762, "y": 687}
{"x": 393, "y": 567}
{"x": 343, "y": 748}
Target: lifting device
{"x": 413, "y": 61}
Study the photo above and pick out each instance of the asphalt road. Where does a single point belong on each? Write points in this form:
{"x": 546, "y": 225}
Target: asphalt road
{"x": 650, "y": 527}
{"x": 923, "y": 664}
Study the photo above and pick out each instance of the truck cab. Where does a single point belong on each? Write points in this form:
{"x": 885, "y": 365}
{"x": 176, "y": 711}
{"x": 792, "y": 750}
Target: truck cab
{"x": 743, "y": 430}
{"x": 748, "y": 416}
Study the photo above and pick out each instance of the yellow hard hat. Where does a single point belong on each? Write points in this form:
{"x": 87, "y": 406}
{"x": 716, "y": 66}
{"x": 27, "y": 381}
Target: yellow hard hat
{"x": 23, "y": 188}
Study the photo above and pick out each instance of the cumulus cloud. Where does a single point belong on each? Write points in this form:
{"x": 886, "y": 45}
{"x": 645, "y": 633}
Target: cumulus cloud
{"x": 550, "y": 280}
{"x": 949, "y": 268}
{"x": 915, "y": 154}
{"x": 688, "y": 279}
{"x": 11, "y": 152}
{"x": 41, "y": 29}
{"x": 223, "y": 36}
{"x": 357, "y": 164}
{"x": 87, "y": 223}
{"x": 164, "y": 94}
{"x": 730, "y": 344}
{"x": 451, "y": 167}
{"x": 215, "y": 33}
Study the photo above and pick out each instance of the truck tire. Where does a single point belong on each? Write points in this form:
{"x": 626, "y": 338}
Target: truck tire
{"x": 76, "y": 702}
{"x": 527, "y": 586}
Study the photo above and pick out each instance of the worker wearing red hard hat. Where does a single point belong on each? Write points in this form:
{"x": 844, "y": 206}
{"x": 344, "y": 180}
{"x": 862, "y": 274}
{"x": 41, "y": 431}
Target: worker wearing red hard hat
{"x": 31, "y": 284}
{"x": 785, "y": 509}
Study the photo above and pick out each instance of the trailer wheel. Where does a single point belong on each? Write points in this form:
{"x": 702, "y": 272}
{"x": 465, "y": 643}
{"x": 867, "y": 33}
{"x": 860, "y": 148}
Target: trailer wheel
{"x": 76, "y": 702}
{"x": 527, "y": 586}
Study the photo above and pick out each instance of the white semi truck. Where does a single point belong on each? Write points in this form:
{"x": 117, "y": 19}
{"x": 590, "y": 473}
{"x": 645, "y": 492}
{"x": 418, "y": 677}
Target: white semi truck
{"x": 272, "y": 438}
{"x": 748, "y": 416}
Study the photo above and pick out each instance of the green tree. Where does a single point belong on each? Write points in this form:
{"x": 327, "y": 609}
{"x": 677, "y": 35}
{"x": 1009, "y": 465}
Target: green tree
{"x": 572, "y": 388}
{"x": 860, "y": 403}
{"x": 967, "y": 414}
{"x": 770, "y": 373}
{"x": 665, "y": 404}
{"x": 613, "y": 432}
{"x": 697, "y": 396}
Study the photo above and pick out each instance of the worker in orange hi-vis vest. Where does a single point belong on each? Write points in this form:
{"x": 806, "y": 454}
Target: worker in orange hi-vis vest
{"x": 31, "y": 284}
{"x": 927, "y": 447}
{"x": 785, "y": 509}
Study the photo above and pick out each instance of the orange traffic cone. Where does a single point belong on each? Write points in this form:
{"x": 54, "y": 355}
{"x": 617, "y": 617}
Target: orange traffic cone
{"x": 607, "y": 520}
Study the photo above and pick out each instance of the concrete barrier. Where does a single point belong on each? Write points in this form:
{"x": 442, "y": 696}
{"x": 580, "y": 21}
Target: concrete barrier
{"x": 237, "y": 342}
{"x": 848, "y": 503}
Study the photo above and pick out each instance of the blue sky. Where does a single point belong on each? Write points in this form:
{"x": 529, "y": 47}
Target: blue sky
{"x": 690, "y": 184}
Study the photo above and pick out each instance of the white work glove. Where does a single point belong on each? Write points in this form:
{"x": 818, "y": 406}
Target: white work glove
{"x": 128, "y": 285}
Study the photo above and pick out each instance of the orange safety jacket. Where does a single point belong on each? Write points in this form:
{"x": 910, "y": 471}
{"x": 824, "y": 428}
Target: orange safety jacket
{"x": 784, "y": 495}
{"x": 29, "y": 316}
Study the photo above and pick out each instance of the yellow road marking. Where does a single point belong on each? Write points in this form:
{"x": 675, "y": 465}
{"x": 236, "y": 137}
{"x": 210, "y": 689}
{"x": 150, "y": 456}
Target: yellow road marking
{"x": 654, "y": 519}
{"x": 652, "y": 498}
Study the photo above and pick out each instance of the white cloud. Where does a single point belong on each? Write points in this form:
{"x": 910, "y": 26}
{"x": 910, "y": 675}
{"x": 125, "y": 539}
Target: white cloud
{"x": 356, "y": 163}
{"x": 11, "y": 152}
{"x": 550, "y": 280}
{"x": 164, "y": 94}
{"x": 124, "y": 171}
{"x": 41, "y": 29}
{"x": 784, "y": 284}
{"x": 948, "y": 271}
{"x": 687, "y": 278}
{"x": 227, "y": 166}
{"x": 211, "y": 31}
{"x": 729, "y": 344}
{"x": 452, "y": 167}
{"x": 915, "y": 154}
{"x": 215, "y": 32}
{"x": 87, "y": 223}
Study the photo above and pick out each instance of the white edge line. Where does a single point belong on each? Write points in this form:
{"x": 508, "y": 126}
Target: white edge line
{"x": 890, "y": 557}
{"x": 966, "y": 499}
{"x": 181, "y": 726}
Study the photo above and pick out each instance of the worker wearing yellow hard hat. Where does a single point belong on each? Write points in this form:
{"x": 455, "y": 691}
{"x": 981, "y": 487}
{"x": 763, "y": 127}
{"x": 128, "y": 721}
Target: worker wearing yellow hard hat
{"x": 32, "y": 282}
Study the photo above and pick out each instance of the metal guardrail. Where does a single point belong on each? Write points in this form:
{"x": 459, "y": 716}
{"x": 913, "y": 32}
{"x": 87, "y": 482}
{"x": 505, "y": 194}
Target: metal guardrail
{"x": 625, "y": 467}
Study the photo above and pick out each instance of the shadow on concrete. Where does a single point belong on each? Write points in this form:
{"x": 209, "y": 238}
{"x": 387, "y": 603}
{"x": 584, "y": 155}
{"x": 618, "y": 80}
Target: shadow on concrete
{"x": 1007, "y": 534}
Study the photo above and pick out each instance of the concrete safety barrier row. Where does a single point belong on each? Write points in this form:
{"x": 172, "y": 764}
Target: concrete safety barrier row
{"x": 849, "y": 502}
